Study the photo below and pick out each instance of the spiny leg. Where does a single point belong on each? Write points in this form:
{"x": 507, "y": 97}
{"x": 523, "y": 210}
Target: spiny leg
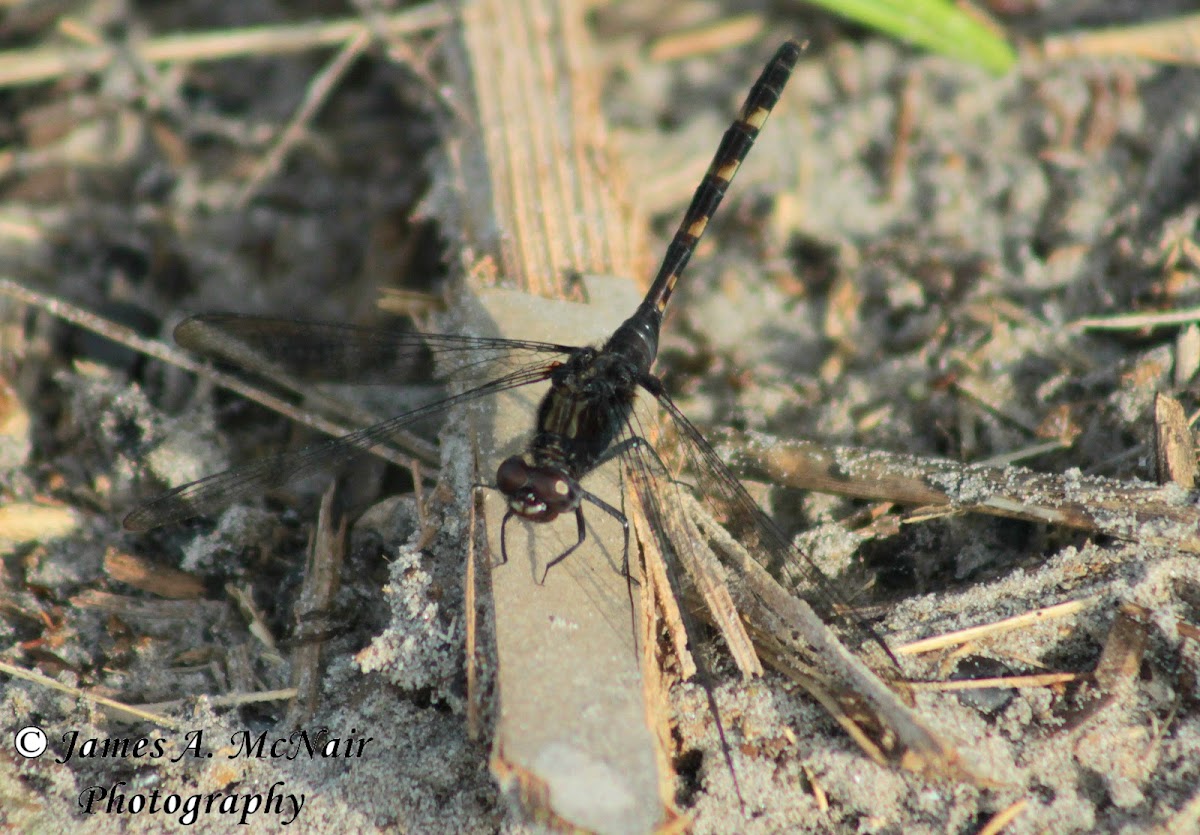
{"x": 611, "y": 511}
{"x": 581, "y": 526}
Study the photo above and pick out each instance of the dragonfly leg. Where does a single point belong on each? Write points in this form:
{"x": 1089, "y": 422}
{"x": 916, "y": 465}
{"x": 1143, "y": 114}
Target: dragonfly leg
{"x": 582, "y": 528}
{"x": 504, "y": 538}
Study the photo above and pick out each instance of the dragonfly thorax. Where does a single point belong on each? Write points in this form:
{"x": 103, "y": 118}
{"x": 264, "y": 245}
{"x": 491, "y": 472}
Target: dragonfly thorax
{"x": 539, "y": 494}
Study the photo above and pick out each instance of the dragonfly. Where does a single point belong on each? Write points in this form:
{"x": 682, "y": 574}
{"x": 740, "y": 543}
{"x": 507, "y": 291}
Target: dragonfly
{"x": 584, "y": 421}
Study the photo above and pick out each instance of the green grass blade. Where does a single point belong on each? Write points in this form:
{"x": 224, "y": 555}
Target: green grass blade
{"x": 934, "y": 24}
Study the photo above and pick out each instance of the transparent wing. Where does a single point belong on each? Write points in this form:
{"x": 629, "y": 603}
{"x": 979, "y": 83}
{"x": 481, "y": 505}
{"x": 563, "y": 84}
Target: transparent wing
{"x": 340, "y": 353}
{"x": 762, "y": 538}
{"x": 686, "y": 572}
{"x": 224, "y": 488}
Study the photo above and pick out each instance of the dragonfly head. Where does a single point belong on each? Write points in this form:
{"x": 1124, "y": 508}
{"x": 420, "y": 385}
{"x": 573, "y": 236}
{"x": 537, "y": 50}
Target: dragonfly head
{"x": 538, "y": 494}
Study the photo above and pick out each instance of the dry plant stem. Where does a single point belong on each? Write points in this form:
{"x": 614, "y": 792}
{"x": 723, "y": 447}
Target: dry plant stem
{"x": 1187, "y": 355}
{"x": 976, "y": 633}
{"x": 474, "y": 694}
{"x": 1124, "y": 649}
{"x": 256, "y": 624}
{"x": 285, "y": 694}
{"x": 1174, "y": 446}
{"x": 1003, "y": 818}
{"x": 315, "y": 96}
{"x": 136, "y": 608}
{"x": 1158, "y": 516}
{"x": 705, "y": 576}
{"x": 31, "y": 66}
{"x": 726, "y": 33}
{"x": 794, "y": 640}
{"x": 153, "y": 348}
{"x": 659, "y": 612}
{"x": 118, "y": 710}
{"x": 1138, "y": 321}
{"x": 160, "y": 580}
{"x": 1172, "y": 41}
{"x": 818, "y": 792}
{"x": 322, "y": 576}
{"x": 1016, "y": 682}
{"x": 1116, "y": 675}
{"x": 550, "y": 173}
{"x": 902, "y": 146}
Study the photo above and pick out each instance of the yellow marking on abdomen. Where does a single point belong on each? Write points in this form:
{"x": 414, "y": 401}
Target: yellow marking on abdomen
{"x": 758, "y": 118}
{"x": 726, "y": 171}
{"x": 669, "y": 287}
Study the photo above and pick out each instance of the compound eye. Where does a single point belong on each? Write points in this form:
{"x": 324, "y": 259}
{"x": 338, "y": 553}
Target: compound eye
{"x": 554, "y": 490}
{"x": 512, "y": 475}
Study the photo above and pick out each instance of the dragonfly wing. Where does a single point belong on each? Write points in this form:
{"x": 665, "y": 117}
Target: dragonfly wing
{"x": 224, "y": 488}
{"x": 340, "y": 353}
{"x": 763, "y": 539}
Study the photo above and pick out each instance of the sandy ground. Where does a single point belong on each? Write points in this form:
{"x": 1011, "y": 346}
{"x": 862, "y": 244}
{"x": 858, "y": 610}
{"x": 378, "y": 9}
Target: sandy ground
{"x": 899, "y": 267}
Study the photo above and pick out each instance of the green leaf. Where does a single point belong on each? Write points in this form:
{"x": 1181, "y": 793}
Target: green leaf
{"x": 934, "y": 24}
